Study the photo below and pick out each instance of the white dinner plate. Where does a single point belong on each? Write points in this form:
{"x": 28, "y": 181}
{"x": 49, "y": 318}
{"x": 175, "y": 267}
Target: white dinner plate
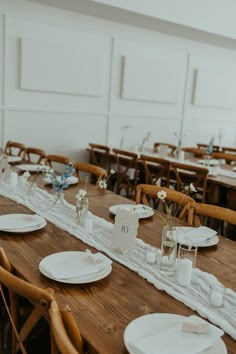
{"x": 143, "y": 211}
{"x": 12, "y": 159}
{"x": 234, "y": 168}
{"x": 211, "y": 162}
{"x": 71, "y": 180}
{"x": 21, "y": 222}
{"x": 70, "y": 256}
{"x": 32, "y": 168}
{"x": 144, "y": 325}
{"x": 210, "y": 240}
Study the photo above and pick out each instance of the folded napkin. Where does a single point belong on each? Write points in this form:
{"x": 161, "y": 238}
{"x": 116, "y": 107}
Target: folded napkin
{"x": 194, "y": 234}
{"x": 68, "y": 266}
{"x": 176, "y": 341}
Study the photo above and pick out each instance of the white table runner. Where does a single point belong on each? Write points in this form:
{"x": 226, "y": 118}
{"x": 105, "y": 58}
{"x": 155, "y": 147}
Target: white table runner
{"x": 195, "y": 296}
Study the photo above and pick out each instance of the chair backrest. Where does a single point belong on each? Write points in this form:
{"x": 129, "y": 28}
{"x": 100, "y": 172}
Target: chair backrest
{"x": 35, "y": 155}
{"x": 66, "y": 336}
{"x": 14, "y": 148}
{"x": 201, "y": 212}
{"x": 204, "y": 146}
{"x": 127, "y": 172}
{"x": 181, "y": 175}
{"x": 194, "y": 151}
{"x": 156, "y": 170}
{"x": 171, "y": 147}
{"x": 39, "y": 298}
{"x": 224, "y": 156}
{"x": 99, "y": 172}
{"x": 99, "y": 155}
{"x": 57, "y": 161}
{"x": 230, "y": 150}
{"x": 177, "y": 199}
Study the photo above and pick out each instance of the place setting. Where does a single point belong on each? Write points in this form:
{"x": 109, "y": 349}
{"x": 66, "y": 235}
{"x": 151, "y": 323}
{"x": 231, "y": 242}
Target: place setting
{"x": 143, "y": 211}
{"x": 202, "y": 236}
{"x": 20, "y": 223}
{"x": 76, "y": 267}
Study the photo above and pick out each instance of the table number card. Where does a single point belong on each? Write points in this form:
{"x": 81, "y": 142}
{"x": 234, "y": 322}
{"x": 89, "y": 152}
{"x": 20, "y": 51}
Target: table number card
{"x": 124, "y": 231}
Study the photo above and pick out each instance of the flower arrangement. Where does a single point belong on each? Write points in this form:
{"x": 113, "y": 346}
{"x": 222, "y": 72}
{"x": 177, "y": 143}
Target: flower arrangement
{"x": 161, "y": 195}
{"x": 179, "y": 140}
{"x": 209, "y": 148}
{"x": 145, "y": 139}
{"x": 102, "y": 183}
{"x": 81, "y": 205}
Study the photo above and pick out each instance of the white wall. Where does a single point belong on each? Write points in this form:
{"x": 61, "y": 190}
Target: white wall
{"x": 70, "y": 79}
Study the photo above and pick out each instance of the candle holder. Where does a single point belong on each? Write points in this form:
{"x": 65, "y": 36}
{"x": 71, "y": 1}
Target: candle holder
{"x": 216, "y": 295}
{"x": 150, "y": 255}
{"x": 168, "y": 250}
{"x": 186, "y": 262}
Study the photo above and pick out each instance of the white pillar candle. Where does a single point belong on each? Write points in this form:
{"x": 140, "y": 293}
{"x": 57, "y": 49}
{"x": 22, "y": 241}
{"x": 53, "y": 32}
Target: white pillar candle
{"x": 150, "y": 255}
{"x": 216, "y": 296}
{"x": 12, "y": 178}
{"x": 184, "y": 271}
{"x": 88, "y": 224}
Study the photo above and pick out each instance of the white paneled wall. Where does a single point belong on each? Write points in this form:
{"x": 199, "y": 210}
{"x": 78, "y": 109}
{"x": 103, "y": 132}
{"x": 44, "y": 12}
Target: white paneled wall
{"x": 65, "y": 85}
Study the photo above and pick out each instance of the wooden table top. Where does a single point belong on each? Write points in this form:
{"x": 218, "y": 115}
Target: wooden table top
{"x": 104, "y": 308}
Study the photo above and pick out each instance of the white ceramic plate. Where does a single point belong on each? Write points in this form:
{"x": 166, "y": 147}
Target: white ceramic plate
{"x": 211, "y": 238}
{"x": 161, "y": 321}
{"x": 21, "y": 222}
{"x": 212, "y": 162}
{"x": 71, "y": 180}
{"x": 57, "y": 257}
{"x": 12, "y": 159}
{"x": 32, "y": 168}
{"x": 143, "y": 211}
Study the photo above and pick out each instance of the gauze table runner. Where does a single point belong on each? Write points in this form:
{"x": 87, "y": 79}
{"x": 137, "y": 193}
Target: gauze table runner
{"x": 195, "y": 296}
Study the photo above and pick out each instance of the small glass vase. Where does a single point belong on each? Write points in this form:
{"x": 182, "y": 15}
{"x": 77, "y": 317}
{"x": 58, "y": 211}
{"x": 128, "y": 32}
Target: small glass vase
{"x": 58, "y": 198}
{"x": 168, "y": 250}
{"x": 81, "y": 210}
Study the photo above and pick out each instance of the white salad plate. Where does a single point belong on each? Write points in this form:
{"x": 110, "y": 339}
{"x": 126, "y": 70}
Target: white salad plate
{"x": 74, "y": 267}
{"x": 12, "y": 159}
{"x": 19, "y": 223}
{"x": 70, "y": 180}
{"x": 211, "y": 162}
{"x": 152, "y": 324}
{"x": 143, "y": 211}
{"x": 33, "y": 168}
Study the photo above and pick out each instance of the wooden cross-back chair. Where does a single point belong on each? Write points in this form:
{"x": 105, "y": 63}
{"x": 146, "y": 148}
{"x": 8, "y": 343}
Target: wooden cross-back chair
{"x": 38, "y": 298}
{"x": 93, "y": 170}
{"x": 202, "y": 214}
{"x": 156, "y": 170}
{"x": 33, "y": 154}
{"x": 127, "y": 172}
{"x": 171, "y": 147}
{"x": 66, "y": 337}
{"x": 230, "y": 150}
{"x": 14, "y": 148}
{"x": 181, "y": 175}
{"x": 229, "y": 158}
{"x": 147, "y": 195}
{"x": 204, "y": 146}
{"x": 57, "y": 161}
{"x": 100, "y": 155}
{"x": 194, "y": 151}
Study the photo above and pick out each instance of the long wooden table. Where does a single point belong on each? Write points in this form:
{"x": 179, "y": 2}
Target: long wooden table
{"x": 104, "y": 308}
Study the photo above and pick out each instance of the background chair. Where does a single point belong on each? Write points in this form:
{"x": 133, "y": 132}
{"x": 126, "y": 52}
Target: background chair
{"x": 90, "y": 169}
{"x": 127, "y": 172}
{"x": 57, "y": 162}
{"x": 147, "y": 195}
{"x": 14, "y": 148}
{"x": 99, "y": 155}
{"x": 34, "y": 155}
{"x": 229, "y": 158}
{"x": 194, "y": 152}
{"x": 171, "y": 147}
{"x": 156, "y": 170}
{"x": 65, "y": 334}
{"x": 204, "y": 146}
{"x": 230, "y": 150}
{"x": 182, "y": 175}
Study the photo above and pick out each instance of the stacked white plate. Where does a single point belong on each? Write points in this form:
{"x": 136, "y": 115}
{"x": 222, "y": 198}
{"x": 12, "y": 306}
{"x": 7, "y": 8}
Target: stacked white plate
{"x": 13, "y": 159}
{"x": 32, "y": 167}
{"x": 143, "y": 211}
{"x": 21, "y": 222}
{"x": 201, "y": 236}
{"x": 75, "y": 267}
{"x": 70, "y": 180}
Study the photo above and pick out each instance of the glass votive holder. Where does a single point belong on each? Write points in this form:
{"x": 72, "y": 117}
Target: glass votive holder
{"x": 186, "y": 262}
{"x": 150, "y": 255}
{"x": 216, "y": 295}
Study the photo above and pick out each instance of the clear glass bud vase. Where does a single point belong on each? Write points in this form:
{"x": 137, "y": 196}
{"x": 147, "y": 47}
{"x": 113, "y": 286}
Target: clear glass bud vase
{"x": 168, "y": 250}
{"x": 81, "y": 209}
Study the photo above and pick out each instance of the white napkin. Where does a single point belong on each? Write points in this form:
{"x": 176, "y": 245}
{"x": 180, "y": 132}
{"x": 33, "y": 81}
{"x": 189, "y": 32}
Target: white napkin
{"x": 66, "y": 267}
{"x": 175, "y": 341}
{"x": 139, "y": 209}
{"x": 194, "y": 234}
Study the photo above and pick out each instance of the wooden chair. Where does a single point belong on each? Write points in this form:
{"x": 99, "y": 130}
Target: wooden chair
{"x": 229, "y": 158}
{"x": 171, "y": 147}
{"x": 203, "y": 214}
{"x": 181, "y": 175}
{"x": 194, "y": 152}
{"x": 156, "y": 170}
{"x": 93, "y": 170}
{"x": 100, "y": 155}
{"x": 57, "y": 161}
{"x": 204, "y": 146}
{"x": 34, "y": 155}
{"x": 178, "y": 200}
{"x": 127, "y": 172}
{"x": 66, "y": 337}
{"x": 38, "y": 298}
{"x": 14, "y": 148}
{"x": 230, "y": 150}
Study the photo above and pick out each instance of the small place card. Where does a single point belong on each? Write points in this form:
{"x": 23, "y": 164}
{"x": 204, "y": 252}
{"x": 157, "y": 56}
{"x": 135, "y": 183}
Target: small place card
{"x": 125, "y": 230}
